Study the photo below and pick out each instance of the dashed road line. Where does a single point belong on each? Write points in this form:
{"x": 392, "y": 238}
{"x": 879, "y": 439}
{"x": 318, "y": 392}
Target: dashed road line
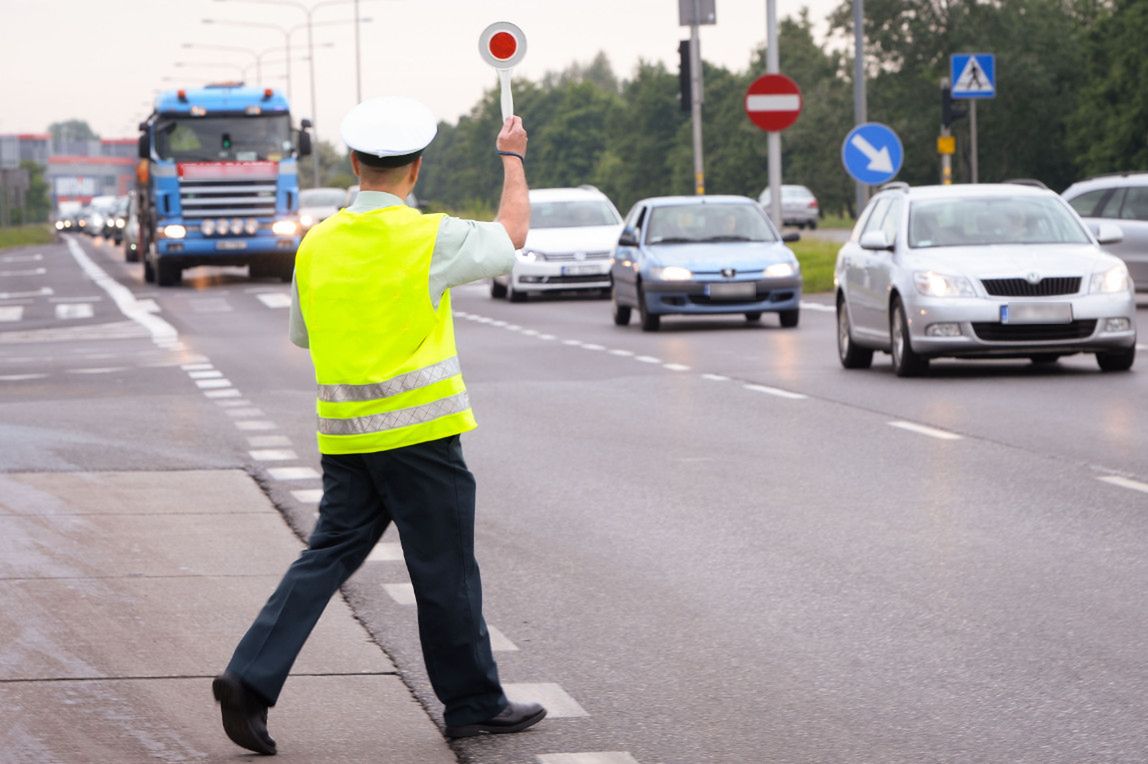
{"x": 499, "y": 642}
{"x": 647, "y": 359}
{"x": 402, "y": 594}
{"x": 251, "y": 413}
{"x": 1122, "y": 482}
{"x": 254, "y": 424}
{"x": 716, "y": 377}
{"x": 268, "y": 441}
{"x": 22, "y": 258}
{"x": 921, "y": 429}
{"x": 292, "y": 473}
{"x": 28, "y": 272}
{"x": 41, "y": 292}
{"x": 592, "y": 346}
{"x": 197, "y": 366}
{"x": 388, "y": 551}
{"x": 99, "y": 370}
{"x": 73, "y": 310}
{"x": 205, "y": 374}
{"x": 675, "y": 366}
{"x": 588, "y": 757}
{"x": 309, "y": 496}
{"x": 621, "y": 353}
{"x": 230, "y": 392}
{"x": 207, "y": 384}
{"x": 557, "y": 701}
{"x": 275, "y": 299}
{"x": 273, "y": 455}
{"x": 20, "y": 377}
{"x": 775, "y": 391}
{"x": 11, "y": 313}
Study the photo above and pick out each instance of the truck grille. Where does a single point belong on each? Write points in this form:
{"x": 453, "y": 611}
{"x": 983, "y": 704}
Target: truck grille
{"x": 227, "y": 198}
{"x": 1048, "y": 287}
{"x": 994, "y": 332}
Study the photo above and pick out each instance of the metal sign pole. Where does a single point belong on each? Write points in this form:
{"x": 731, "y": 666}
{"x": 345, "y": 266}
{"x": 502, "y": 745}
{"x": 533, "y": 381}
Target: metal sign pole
{"x": 860, "y": 108}
{"x": 973, "y": 139}
{"x": 773, "y": 66}
{"x": 696, "y": 100}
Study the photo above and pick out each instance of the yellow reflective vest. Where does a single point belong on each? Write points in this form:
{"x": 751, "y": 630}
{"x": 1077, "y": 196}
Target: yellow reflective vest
{"x": 385, "y": 359}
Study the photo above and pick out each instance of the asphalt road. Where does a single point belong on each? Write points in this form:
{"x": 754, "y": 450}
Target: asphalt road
{"x": 709, "y": 544}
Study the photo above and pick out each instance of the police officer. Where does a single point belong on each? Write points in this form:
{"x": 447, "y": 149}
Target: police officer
{"x": 372, "y": 302}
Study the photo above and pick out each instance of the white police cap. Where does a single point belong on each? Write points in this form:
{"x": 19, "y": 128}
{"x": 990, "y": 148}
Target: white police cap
{"x": 389, "y": 126}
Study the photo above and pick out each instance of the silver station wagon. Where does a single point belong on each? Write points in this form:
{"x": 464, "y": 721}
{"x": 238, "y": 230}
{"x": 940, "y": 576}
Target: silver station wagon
{"x": 980, "y": 271}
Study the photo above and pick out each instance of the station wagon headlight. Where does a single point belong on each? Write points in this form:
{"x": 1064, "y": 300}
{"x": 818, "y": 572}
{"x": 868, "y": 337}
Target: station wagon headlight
{"x": 780, "y": 270}
{"x": 672, "y": 273}
{"x": 933, "y": 284}
{"x": 1113, "y": 280}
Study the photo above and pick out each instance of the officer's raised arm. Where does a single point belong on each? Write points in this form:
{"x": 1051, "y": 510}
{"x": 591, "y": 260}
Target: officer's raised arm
{"x": 514, "y": 207}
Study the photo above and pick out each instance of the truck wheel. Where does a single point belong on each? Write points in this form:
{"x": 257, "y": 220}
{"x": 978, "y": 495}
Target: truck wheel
{"x": 287, "y": 269}
{"x": 167, "y": 274}
{"x": 149, "y": 271}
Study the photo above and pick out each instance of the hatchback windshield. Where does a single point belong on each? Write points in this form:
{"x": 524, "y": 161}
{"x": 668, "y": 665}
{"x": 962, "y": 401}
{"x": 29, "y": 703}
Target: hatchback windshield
{"x": 211, "y": 139}
{"x": 992, "y": 220}
{"x": 572, "y": 214}
{"x": 322, "y": 197}
{"x": 689, "y": 223}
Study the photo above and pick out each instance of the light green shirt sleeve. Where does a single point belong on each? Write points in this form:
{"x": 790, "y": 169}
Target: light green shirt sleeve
{"x": 464, "y": 251}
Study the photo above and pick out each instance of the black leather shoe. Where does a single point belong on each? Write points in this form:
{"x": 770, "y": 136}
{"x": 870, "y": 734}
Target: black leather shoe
{"x": 244, "y": 715}
{"x": 514, "y": 718}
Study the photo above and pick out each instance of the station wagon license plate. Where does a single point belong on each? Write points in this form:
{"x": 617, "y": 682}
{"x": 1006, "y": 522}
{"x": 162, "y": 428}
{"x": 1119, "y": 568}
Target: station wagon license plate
{"x": 1036, "y": 313}
{"x": 580, "y": 270}
{"x": 746, "y": 290}
{"x": 231, "y": 245}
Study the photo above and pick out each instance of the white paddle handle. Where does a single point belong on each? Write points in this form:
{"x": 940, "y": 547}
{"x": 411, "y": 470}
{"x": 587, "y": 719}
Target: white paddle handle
{"x": 507, "y": 96}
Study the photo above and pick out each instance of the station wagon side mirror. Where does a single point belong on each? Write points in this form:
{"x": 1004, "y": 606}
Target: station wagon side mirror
{"x": 628, "y": 238}
{"x": 1108, "y": 233}
{"x": 791, "y": 237}
{"x": 875, "y": 240}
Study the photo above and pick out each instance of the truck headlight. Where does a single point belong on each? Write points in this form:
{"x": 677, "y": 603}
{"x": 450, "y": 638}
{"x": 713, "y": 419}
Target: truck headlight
{"x": 1113, "y": 280}
{"x": 207, "y": 227}
{"x": 237, "y": 226}
{"x": 284, "y": 228}
{"x": 174, "y": 231}
{"x": 251, "y": 227}
{"x": 672, "y": 273}
{"x": 933, "y": 284}
{"x": 780, "y": 270}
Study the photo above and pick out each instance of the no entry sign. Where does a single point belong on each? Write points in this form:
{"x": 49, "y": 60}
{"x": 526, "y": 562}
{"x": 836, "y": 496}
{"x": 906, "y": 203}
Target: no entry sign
{"x": 773, "y": 102}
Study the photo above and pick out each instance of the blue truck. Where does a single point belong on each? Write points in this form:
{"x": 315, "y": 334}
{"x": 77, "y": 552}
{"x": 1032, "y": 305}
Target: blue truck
{"x": 218, "y": 183}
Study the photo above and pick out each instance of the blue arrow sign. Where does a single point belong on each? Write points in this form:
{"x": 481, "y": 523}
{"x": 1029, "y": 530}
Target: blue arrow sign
{"x": 872, "y": 153}
{"x": 973, "y": 75}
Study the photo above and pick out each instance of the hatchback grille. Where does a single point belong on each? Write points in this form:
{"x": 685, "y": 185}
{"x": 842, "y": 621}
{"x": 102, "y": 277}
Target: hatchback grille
{"x": 995, "y": 332}
{"x": 227, "y": 198}
{"x": 1023, "y": 288}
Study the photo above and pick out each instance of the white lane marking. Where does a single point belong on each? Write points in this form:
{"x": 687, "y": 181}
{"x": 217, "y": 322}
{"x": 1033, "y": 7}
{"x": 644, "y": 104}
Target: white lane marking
{"x": 572, "y": 343}
{"x": 592, "y": 346}
{"x": 255, "y": 424}
{"x": 246, "y": 412}
{"x": 21, "y": 258}
{"x": 149, "y": 306}
{"x": 647, "y": 359}
{"x": 101, "y": 370}
{"x": 716, "y": 377}
{"x": 41, "y": 292}
{"x": 205, "y": 374}
{"x": 403, "y": 594}
{"x": 622, "y": 353}
{"x": 530, "y": 332}
{"x": 230, "y": 404}
{"x": 499, "y": 641}
{"x": 30, "y": 272}
{"x": 1141, "y": 346}
{"x": 921, "y": 429}
{"x": 557, "y": 701}
{"x": 513, "y": 327}
{"x": 675, "y": 366}
{"x": 275, "y": 299}
{"x": 308, "y": 495}
{"x": 210, "y": 305}
{"x": 273, "y": 455}
{"x": 498, "y": 323}
{"x": 546, "y": 337}
{"x": 196, "y": 366}
{"x": 268, "y": 441}
{"x": 230, "y": 392}
{"x": 775, "y": 391}
{"x": 388, "y": 551}
{"x": 818, "y": 306}
{"x": 292, "y": 473}
{"x": 588, "y": 757}
{"x": 1132, "y": 485}
{"x": 205, "y": 384}
{"x": 122, "y": 296}
{"x": 11, "y": 313}
{"x": 20, "y": 377}
{"x": 74, "y": 298}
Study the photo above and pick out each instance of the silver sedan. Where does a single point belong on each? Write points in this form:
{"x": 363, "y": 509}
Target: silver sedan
{"x": 980, "y": 271}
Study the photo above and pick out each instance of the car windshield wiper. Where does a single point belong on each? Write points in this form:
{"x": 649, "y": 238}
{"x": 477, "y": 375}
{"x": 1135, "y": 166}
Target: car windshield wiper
{"x": 729, "y": 237}
{"x": 675, "y": 240}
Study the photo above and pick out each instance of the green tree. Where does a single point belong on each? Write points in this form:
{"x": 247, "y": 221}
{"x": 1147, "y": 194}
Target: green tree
{"x": 71, "y": 130}
{"x": 37, "y": 201}
{"x": 334, "y": 167}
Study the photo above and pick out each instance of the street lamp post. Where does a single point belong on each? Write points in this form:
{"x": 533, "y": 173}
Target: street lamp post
{"x": 217, "y": 64}
{"x": 232, "y": 49}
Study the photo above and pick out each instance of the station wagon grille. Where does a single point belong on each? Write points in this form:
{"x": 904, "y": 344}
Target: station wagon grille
{"x": 569, "y": 256}
{"x": 227, "y": 198}
{"x": 1049, "y": 287}
{"x": 995, "y": 332}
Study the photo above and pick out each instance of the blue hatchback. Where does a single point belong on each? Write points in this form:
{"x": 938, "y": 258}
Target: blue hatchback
{"x": 703, "y": 255}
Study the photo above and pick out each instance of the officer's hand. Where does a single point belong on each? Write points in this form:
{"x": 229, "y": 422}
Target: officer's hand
{"x": 512, "y": 137}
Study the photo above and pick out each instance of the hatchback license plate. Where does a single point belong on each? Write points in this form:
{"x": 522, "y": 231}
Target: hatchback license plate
{"x": 580, "y": 270}
{"x": 1037, "y": 313}
{"x": 739, "y": 291}
{"x": 231, "y": 245}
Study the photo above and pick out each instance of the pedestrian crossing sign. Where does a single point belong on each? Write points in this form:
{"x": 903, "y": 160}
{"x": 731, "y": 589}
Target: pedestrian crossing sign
{"x": 974, "y": 75}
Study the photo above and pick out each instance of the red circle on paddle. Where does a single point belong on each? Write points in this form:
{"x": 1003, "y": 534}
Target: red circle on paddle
{"x": 503, "y": 45}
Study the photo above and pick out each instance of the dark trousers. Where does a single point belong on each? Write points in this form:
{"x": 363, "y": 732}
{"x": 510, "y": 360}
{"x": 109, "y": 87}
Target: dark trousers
{"x": 429, "y": 493}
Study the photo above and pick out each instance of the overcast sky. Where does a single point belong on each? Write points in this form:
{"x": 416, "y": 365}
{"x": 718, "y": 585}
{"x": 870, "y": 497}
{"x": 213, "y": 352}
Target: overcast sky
{"x": 103, "y": 61}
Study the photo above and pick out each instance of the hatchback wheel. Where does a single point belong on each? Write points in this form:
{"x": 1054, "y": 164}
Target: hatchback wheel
{"x": 650, "y": 321}
{"x": 790, "y": 318}
{"x": 906, "y": 363}
{"x": 621, "y": 314}
{"x": 1118, "y": 360}
{"x": 753, "y": 317}
{"x": 849, "y": 353}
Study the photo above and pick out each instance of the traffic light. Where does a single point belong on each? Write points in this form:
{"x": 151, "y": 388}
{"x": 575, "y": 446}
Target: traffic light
{"x": 684, "y": 76}
{"x": 949, "y": 112}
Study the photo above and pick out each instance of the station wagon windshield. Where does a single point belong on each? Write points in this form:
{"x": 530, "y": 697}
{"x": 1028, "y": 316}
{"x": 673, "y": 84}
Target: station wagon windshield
{"x": 992, "y": 220}
{"x": 215, "y": 139}
{"x": 693, "y": 223}
{"x": 571, "y": 214}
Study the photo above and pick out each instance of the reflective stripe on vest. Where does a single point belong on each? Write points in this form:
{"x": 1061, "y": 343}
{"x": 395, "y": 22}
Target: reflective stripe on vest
{"x": 403, "y": 383}
{"x": 393, "y": 420}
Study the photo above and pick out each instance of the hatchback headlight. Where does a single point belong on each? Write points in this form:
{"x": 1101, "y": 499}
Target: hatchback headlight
{"x": 284, "y": 228}
{"x": 933, "y": 284}
{"x": 780, "y": 270}
{"x": 1113, "y": 280}
{"x": 672, "y": 273}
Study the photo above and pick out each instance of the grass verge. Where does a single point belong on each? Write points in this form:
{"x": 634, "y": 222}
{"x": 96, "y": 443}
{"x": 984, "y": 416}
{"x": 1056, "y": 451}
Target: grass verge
{"x": 26, "y": 235}
{"x": 817, "y": 259}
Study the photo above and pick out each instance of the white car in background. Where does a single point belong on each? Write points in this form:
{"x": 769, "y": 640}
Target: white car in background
{"x": 572, "y": 235}
{"x": 318, "y": 204}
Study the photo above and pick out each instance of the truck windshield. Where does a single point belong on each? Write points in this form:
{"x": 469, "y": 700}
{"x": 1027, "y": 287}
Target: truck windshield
{"x": 233, "y": 138}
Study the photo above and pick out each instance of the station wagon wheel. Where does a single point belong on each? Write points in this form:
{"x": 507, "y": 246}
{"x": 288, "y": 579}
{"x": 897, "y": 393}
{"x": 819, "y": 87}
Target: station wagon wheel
{"x": 515, "y": 295}
{"x": 753, "y": 317}
{"x": 849, "y": 353}
{"x": 497, "y": 291}
{"x": 906, "y": 363}
{"x": 1117, "y": 360}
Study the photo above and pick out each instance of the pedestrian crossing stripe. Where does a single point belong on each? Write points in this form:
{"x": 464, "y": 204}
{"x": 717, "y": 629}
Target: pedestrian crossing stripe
{"x": 974, "y": 75}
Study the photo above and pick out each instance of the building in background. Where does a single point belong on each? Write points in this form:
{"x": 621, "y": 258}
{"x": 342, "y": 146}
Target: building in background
{"x": 75, "y": 169}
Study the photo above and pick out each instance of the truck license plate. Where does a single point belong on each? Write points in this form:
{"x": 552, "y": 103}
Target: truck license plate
{"x": 231, "y": 245}
{"x": 1036, "y": 313}
{"x": 739, "y": 291}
